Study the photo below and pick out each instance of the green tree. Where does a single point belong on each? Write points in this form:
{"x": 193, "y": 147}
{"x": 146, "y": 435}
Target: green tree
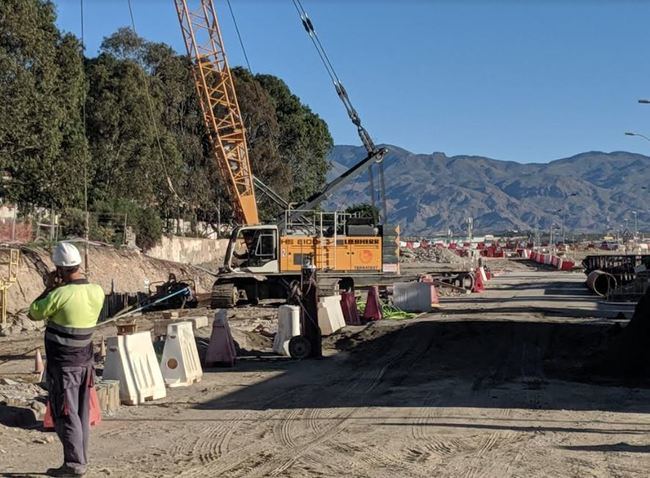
{"x": 42, "y": 84}
{"x": 134, "y": 155}
{"x": 145, "y": 141}
{"x": 304, "y": 139}
{"x": 263, "y": 139}
{"x": 172, "y": 84}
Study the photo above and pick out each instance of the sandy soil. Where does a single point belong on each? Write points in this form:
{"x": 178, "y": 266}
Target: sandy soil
{"x": 489, "y": 387}
{"x": 118, "y": 270}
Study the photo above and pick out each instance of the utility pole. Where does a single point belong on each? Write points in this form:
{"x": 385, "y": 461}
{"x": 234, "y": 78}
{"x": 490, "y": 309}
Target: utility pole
{"x": 87, "y": 238}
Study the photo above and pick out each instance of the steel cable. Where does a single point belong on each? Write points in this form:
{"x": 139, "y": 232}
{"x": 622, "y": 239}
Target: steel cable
{"x": 352, "y": 113}
{"x": 152, "y": 116}
{"x": 241, "y": 42}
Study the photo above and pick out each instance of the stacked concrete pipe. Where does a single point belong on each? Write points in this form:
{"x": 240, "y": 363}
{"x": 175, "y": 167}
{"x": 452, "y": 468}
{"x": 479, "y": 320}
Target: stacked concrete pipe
{"x": 601, "y": 282}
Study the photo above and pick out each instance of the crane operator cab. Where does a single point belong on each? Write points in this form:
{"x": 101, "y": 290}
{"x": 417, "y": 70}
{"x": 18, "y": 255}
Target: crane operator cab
{"x": 253, "y": 249}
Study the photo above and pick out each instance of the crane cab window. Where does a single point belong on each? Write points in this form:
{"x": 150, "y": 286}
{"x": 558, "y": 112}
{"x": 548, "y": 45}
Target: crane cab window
{"x": 265, "y": 245}
{"x": 255, "y": 248}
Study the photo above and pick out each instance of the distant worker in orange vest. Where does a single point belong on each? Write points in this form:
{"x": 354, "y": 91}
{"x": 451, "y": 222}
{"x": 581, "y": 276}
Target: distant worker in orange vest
{"x": 71, "y": 307}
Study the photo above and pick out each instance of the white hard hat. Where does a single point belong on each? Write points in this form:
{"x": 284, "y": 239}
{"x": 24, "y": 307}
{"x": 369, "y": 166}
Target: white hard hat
{"x": 66, "y": 255}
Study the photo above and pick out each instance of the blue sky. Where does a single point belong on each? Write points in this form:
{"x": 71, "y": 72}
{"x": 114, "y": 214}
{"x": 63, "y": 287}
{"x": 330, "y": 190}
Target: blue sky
{"x": 527, "y": 81}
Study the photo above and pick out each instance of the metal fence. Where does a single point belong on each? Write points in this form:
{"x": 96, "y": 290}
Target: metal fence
{"x": 117, "y": 301}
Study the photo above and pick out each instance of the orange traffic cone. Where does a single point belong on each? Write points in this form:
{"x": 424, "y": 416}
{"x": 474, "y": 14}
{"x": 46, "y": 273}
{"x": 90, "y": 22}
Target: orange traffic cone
{"x": 95, "y": 412}
{"x": 38, "y": 363}
{"x": 372, "y": 312}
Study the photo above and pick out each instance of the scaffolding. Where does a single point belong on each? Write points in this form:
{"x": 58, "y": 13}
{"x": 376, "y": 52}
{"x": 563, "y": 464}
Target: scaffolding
{"x": 11, "y": 261}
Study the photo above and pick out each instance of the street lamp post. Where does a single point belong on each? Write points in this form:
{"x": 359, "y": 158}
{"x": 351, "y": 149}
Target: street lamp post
{"x": 631, "y": 133}
{"x": 561, "y": 211}
{"x": 563, "y": 215}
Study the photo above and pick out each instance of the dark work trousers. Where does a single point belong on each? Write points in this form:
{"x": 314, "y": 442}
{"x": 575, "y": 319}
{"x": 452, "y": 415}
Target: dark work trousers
{"x": 69, "y": 395}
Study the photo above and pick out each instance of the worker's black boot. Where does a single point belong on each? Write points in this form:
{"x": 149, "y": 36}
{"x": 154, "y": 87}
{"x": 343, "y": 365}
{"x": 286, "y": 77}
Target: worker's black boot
{"x": 65, "y": 470}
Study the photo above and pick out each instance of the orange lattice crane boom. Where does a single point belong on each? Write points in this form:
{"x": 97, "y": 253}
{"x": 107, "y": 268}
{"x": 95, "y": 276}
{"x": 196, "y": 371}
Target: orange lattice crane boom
{"x": 216, "y": 91}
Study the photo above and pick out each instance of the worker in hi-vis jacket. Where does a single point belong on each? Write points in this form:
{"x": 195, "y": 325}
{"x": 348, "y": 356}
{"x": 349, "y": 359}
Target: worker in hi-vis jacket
{"x": 71, "y": 307}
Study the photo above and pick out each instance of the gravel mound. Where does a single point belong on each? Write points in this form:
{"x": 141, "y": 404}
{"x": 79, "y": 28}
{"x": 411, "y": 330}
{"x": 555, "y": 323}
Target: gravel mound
{"x": 432, "y": 254}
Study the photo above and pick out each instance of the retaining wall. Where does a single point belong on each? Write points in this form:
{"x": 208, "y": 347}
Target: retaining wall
{"x": 190, "y": 250}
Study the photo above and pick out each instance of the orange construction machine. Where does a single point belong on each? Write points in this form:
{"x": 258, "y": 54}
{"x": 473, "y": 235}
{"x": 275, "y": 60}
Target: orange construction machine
{"x": 262, "y": 260}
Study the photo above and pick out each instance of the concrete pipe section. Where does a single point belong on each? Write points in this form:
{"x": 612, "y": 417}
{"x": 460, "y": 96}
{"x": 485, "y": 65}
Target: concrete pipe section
{"x": 601, "y": 282}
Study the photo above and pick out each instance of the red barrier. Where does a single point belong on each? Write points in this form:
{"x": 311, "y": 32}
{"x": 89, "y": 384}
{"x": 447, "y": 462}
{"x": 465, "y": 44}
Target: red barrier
{"x": 372, "y": 311}
{"x": 95, "y": 412}
{"x": 479, "y": 286}
{"x": 349, "y": 308}
{"x": 568, "y": 265}
{"x": 435, "y": 299}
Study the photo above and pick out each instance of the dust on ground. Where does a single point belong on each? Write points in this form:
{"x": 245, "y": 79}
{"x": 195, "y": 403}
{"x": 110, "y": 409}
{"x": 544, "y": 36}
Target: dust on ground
{"x": 493, "y": 385}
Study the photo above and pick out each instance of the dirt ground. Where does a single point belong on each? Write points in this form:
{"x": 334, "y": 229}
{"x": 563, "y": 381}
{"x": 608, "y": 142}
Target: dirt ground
{"x": 493, "y": 385}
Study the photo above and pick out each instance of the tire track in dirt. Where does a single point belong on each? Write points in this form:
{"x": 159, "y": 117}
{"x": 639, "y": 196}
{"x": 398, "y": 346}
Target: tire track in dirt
{"x": 405, "y": 358}
{"x": 427, "y": 445}
{"x": 477, "y": 465}
{"x": 283, "y": 431}
{"x": 360, "y": 454}
{"x": 219, "y": 437}
{"x": 278, "y": 463}
{"x": 284, "y": 450}
{"x": 236, "y": 460}
{"x": 316, "y": 417}
{"x": 297, "y": 452}
{"x": 221, "y": 443}
{"x": 203, "y": 449}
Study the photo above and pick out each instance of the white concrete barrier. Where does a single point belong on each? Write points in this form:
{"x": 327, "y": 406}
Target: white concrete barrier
{"x": 198, "y": 321}
{"x": 288, "y": 326}
{"x": 180, "y": 364}
{"x": 161, "y": 326}
{"x": 412, "y": 296}
{"x": 330, "y": 314}
{"x": 131, "y": 360}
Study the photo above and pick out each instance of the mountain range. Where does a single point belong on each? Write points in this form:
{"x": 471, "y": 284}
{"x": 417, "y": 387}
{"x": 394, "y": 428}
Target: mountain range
{"x": 429, "y": 194}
